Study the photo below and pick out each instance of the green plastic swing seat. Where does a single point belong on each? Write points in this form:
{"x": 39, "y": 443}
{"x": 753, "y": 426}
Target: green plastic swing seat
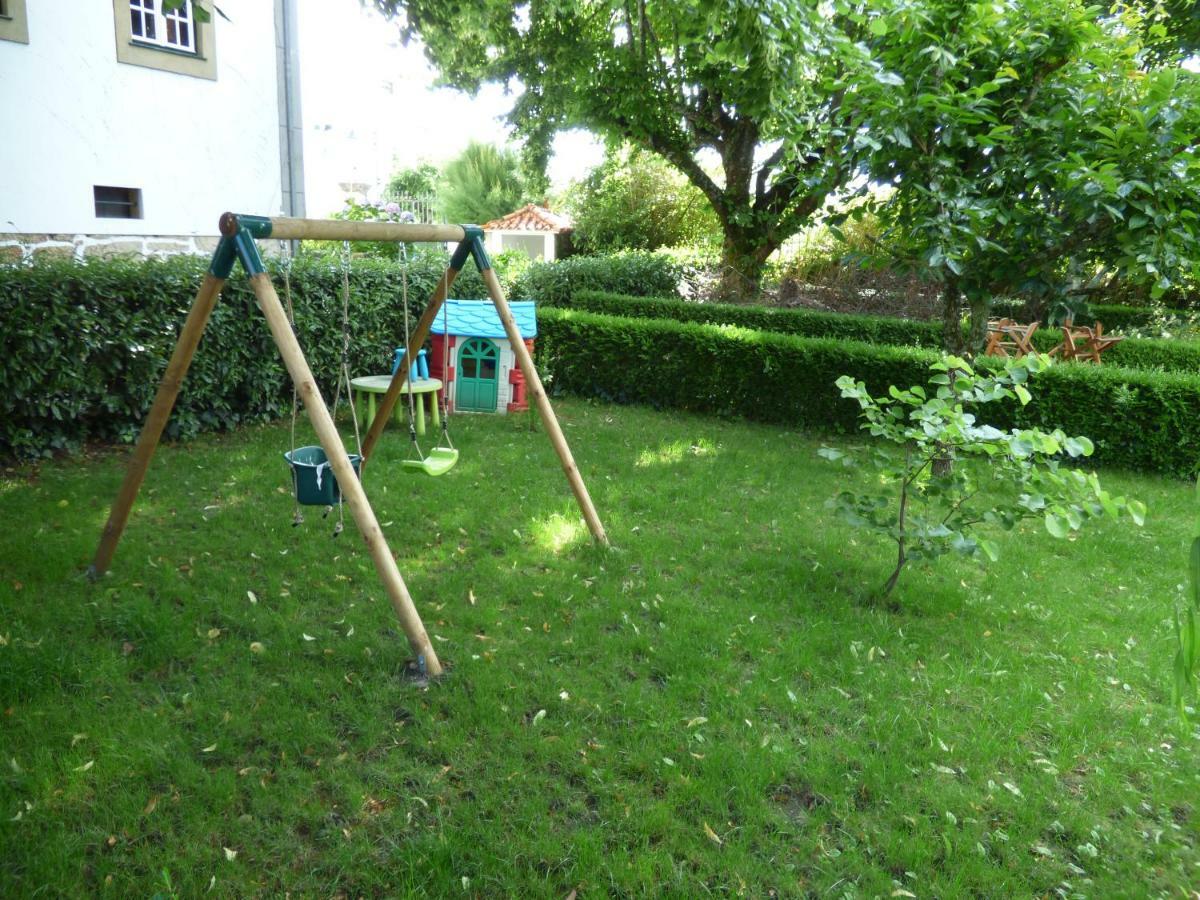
{"x": 439, "y": 461}
{"x": 312, "y": 476}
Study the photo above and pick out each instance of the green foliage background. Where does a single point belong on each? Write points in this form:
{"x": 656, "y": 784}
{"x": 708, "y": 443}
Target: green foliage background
{"x": 1138, "y": 419}
{"x": 84, "y": 345}
{"x": 1170, "y": 355}
{"x": 482, "y": 183}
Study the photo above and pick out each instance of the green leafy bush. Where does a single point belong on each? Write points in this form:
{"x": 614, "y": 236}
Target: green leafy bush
{"x": 1137, "y": 419}
{"x": 1168, "y": 355}
{"x": 84, "y": 345}
{"x": 636, "y": 272}
{"x": 636, "y": 200}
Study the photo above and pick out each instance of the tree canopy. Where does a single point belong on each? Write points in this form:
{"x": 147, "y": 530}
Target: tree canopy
{"x": 1028, "y": 145}
{"x": 754, "y": 84}
{"x": 1018, "y": 136}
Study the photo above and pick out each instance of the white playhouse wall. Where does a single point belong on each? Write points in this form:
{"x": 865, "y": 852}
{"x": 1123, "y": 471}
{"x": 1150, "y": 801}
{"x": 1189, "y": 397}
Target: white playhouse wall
{"x": 508, "y": 361}
{"x": 75, "y": 117}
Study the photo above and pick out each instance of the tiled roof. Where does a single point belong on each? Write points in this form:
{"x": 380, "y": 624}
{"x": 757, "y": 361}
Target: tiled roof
{"x": 478, "y": 318}
{"x": 530, "y": 218}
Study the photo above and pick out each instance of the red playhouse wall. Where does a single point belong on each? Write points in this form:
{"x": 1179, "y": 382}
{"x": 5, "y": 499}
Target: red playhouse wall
{"x": 517, "y": 379}
{"x": 439, "y": 369}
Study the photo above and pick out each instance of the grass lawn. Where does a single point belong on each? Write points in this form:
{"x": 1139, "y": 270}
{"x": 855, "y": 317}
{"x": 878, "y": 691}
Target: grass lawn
{"x": 711, "y": 708}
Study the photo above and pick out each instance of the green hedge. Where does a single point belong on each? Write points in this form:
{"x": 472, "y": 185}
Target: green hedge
{"x": 635, "y": 273}
{"x": 1113, "y": 317}
{"x": 1168, "y": 355}
{"x": 1138, "y": 420}
{"x": 83, "y": 346}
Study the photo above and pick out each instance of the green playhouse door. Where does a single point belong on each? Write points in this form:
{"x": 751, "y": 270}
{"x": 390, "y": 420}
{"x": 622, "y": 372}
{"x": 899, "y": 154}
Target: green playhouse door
{"x": 478, "y": 376}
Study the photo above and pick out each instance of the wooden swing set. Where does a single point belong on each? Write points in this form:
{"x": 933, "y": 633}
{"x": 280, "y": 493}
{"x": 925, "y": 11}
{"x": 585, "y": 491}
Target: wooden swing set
{"x": 239, "y": 234}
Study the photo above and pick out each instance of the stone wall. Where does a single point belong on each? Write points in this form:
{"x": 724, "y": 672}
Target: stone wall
{"x": 19, "y": 247}
{"x": 26, "y": 247}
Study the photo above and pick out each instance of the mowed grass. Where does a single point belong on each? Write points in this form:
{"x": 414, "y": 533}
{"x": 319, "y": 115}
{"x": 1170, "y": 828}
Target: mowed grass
{"x": 713, "y": 707}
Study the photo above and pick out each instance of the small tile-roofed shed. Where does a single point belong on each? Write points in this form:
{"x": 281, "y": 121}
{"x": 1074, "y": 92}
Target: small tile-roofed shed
{"x": 472, "y": 355}
{"x": 535, "y": 230}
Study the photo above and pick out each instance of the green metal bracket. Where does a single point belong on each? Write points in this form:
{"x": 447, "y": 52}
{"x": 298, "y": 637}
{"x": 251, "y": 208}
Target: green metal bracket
{"x": 247, "y": 252}
{"x": 480, "y": 254}
{"x": 223, "y": 259}
{"x": 471, "y": 245}
{"x": 258, "y": 226}
{"x": 459, "y": 256}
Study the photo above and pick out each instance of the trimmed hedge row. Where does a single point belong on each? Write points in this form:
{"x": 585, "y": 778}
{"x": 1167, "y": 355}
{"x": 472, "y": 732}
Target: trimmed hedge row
{"x": 1114, "y": 317}
{"x": 1139, "y": 420}
{"x": 83, "y": 346}
{"x": 1173, "y": 356}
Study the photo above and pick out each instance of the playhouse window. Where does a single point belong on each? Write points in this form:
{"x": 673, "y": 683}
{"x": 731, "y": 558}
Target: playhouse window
{"x": 174, "y": 29}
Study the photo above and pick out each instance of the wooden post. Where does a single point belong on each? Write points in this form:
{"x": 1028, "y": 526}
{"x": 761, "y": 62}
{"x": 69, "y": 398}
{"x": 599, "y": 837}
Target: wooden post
{"x": 156, "y": 421}
{"x": 538, "y": 393}
{"x": 415, "y": 340}
{"x": 351, "y": 488}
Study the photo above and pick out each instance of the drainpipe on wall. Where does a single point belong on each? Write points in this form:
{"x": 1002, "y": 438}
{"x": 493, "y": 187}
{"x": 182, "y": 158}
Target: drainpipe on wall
{"x": 291, "y": 130}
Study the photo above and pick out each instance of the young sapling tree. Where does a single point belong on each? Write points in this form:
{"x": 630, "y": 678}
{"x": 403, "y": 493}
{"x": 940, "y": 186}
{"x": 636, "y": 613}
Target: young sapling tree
{"x": 929, "y": 510}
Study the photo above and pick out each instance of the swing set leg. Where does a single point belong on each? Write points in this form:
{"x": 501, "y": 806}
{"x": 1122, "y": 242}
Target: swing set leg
{"x": 538, "y": 393}
{"x": 156, "y": 421}
{"x": 352, "y": 490}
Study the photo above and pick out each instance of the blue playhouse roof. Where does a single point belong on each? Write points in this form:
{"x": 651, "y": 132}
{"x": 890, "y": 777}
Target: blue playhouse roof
{"x": 478, "y": 318}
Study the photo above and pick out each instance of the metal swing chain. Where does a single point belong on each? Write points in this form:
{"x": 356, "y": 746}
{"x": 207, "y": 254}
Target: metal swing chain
{"x": 445, "y": 399}
{"x": 286, "y": 253}
{"x": 344, "y": 375}
{"x": 402, "y": 253}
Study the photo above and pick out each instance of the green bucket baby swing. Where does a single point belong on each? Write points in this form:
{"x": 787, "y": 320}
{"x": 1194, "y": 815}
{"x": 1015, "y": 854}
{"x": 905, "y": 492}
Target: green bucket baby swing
{"x": 313, "y": 482}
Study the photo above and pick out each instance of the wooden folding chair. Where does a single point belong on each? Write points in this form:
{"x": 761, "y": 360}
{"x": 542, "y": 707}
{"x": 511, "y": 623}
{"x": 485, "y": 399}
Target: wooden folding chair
{"x": 1009, "y": 338}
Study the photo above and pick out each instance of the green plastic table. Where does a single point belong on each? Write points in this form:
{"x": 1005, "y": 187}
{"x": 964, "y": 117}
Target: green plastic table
{"x": 378, "y": 384}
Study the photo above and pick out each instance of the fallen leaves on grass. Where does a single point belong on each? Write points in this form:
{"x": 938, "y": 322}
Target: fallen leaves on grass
{"x": 712, "y": 835}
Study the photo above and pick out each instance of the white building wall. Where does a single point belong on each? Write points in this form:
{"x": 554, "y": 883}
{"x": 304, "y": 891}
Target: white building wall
{"x": 73, "y": 117}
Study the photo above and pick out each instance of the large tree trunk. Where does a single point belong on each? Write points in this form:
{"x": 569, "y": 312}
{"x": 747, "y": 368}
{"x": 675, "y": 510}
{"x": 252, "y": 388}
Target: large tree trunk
{"x": 743, "y": 256}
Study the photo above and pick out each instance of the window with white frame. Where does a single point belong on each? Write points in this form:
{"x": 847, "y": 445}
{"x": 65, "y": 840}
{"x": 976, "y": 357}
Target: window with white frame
{"x": 174, "y": 29}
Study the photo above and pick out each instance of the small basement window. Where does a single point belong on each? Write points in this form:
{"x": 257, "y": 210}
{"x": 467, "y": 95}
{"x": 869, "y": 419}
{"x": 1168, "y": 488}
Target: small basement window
{"x": 117, "y": 202}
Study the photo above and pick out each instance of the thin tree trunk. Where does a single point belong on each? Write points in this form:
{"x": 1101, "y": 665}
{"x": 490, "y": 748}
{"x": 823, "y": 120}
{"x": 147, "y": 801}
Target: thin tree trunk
{"x": 977, "y": 334}
{"x": 952, "y": 336}
{"x": 901, "y": 538}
